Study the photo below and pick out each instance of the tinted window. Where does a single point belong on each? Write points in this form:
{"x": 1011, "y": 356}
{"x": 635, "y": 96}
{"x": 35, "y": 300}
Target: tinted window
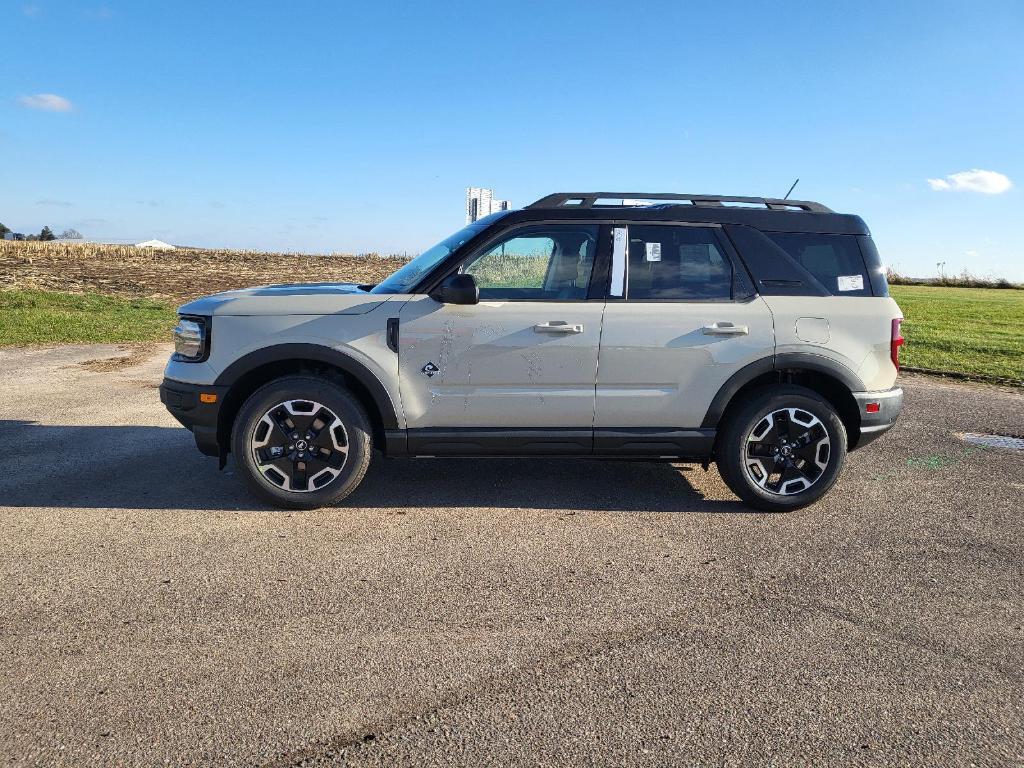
{"x": 681, "y": 263}
{"x": 873, "y": 263}
{"x": 548, "y": 262}
{"x": 834, "y": 259}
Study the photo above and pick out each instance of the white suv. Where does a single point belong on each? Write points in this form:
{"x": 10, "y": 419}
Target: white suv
{"x": 752, "y": 332}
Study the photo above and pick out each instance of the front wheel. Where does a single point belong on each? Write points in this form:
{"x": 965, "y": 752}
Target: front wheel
{"x": 781, "y": 450}
{"x": 302, "y": 442}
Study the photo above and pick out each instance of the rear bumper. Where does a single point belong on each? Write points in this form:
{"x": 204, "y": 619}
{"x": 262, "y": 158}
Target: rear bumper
{"x": 874, "y": 425}
{"x": 201, "y": 419}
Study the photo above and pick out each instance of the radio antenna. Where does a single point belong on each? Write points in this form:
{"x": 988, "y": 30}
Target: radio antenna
{"x": 791, "y": 189}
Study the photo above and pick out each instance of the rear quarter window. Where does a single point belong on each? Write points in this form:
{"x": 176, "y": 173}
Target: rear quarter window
{"x": 835, "y": 260}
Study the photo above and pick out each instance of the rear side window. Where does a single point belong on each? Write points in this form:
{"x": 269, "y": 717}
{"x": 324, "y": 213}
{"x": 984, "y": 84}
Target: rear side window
{"x": 835, "y": 260}
{"x": 677, "y": 263}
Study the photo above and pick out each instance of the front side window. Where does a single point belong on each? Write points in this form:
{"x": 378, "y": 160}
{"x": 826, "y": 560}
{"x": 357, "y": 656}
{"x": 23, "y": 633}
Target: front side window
{"x": 677, "y": 263}
{"x": 537, "y": 263}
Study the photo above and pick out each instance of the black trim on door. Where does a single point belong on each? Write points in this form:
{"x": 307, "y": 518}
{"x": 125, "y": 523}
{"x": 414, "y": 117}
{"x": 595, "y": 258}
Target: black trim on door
{"x": 392, "y": 334}
{"x": 639, "y": 441}
{"x": 622, "y": 442}
{"x": 601, "y": 275}
{"x": 483, "y": 441}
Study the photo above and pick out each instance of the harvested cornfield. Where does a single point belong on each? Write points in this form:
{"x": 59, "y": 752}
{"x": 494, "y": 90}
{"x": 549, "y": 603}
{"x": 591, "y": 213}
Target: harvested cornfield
{"x": 173, "y": 276}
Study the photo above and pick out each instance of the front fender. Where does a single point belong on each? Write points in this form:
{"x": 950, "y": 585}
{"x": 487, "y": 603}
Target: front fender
{"x": 338, "y": 358}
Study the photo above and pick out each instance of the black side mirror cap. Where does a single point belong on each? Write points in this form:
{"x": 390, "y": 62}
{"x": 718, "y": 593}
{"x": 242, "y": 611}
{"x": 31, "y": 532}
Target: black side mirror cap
{"x": 458, "y": 289}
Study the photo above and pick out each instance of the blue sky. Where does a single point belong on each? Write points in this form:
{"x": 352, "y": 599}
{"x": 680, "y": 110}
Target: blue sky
{"x": 357, "y": 126}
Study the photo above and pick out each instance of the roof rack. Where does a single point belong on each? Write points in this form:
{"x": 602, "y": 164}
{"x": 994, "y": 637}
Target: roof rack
{"x": 590, "y": 200}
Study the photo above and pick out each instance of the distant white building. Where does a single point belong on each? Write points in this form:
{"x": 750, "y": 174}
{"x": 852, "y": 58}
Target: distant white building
{"x": 480, "y": 202}
{"x": 156, "y": 245}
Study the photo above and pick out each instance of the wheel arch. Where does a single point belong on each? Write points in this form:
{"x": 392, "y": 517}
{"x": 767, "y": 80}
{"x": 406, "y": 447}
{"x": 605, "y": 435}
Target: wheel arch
{"x": 831, "y": 379}
{"x": 250, "y": 372}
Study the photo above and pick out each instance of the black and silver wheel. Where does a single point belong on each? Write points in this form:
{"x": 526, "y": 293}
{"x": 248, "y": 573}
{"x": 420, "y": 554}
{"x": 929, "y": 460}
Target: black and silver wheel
{"x": 302, "y": 442}
{"x": 781, "y": 450}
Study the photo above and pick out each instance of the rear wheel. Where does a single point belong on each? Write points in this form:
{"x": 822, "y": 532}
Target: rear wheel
{"x": 302, "y": 442}
{"x": 781, "y": 450}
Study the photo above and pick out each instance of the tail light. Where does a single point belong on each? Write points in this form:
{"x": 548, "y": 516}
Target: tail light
{"x": 896, "y": 341}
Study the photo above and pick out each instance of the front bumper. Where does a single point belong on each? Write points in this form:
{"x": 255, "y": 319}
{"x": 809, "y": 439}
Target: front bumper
{"x": 201, "y": 419}
{"x": 874, "y": 425}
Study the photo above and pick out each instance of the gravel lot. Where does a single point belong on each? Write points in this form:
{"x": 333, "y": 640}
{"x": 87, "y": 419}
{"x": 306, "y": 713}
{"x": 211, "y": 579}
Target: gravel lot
{"x": 498, "y": 612}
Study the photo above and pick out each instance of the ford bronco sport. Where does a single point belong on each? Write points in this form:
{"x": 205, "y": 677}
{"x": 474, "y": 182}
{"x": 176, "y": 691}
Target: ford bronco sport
{"x": 756, "y": 333}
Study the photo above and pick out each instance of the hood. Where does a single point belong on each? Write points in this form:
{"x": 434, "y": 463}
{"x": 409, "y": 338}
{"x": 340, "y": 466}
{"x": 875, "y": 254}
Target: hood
{"x": 295, "y": 299}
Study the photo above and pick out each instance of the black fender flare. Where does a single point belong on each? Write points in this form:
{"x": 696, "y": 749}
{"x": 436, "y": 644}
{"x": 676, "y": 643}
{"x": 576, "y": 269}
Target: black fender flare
{"x": 320, "y": 354}
{"x": 800, "y": 360}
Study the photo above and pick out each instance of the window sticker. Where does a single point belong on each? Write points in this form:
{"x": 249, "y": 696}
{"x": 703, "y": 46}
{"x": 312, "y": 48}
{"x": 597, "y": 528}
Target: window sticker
{"x": 619, "y": 244}
{"x": 851, "y": 282}
{"x": 653, "y": 251}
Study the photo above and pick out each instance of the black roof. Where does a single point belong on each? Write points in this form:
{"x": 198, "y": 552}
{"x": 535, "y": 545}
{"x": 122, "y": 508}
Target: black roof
{"x": 764, "y": 213}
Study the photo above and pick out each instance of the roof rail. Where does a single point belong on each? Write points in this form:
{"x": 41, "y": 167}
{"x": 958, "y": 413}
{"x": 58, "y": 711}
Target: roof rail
{"x": 590, "y": 200}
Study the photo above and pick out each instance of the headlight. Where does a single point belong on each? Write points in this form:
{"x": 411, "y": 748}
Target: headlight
{"x": 191, "y": 339}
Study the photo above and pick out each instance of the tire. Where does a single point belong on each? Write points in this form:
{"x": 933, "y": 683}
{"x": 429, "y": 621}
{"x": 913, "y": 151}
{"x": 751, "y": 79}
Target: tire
{"x": 787, "y": 468}
{"x": 291, "y": 469}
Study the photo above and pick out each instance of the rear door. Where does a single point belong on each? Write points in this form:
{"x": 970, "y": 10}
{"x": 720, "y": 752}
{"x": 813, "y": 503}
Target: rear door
{"x": 516, "y": 372}
{"x": 682, "y": 316}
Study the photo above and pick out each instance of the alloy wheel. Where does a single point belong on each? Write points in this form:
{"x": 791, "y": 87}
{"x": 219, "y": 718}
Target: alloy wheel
{"x": 299, "y": 445}
{"x": 787, "y": 451}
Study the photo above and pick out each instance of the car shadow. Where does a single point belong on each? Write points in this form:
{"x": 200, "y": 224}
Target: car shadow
{"x": 149, "y": 467}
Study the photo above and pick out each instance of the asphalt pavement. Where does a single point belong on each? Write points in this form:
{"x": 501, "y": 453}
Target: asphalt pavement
{"x": 498, "y": 611}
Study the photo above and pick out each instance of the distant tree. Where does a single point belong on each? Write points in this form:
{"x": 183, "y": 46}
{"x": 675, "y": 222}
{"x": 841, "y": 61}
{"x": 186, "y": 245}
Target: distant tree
{"x": 47, "y": 234}
{"x": 3, "y": 230}
{"x": 70, "y": 234}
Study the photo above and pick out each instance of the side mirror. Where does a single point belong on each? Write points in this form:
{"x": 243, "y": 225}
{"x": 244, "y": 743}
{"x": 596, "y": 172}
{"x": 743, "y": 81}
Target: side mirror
{"x": 458, "y": 289}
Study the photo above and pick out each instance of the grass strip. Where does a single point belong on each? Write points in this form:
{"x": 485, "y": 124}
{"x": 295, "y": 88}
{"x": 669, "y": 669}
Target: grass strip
{"x": 975, "y": 331}
{"x": 47, "y": 317}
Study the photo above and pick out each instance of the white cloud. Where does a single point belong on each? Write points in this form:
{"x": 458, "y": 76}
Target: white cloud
{"x": 48, "y": 102}
{"x": 31, "y": 10}
{"x": 975, "y": 180}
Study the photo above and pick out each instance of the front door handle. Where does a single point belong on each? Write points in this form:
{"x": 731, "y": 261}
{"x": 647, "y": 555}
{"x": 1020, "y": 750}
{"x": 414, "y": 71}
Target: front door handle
{"x": 725, "y": 329}
{"x": 558, "y": 326}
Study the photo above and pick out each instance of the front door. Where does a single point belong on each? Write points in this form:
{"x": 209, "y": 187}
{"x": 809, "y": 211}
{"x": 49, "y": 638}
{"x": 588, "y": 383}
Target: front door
{"x": 516, "y": 372}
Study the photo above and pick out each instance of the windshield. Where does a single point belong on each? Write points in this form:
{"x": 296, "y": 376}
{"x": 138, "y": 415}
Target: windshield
{"x": 406, "y": 278}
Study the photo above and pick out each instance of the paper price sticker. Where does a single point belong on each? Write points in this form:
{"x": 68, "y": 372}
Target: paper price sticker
{"x": 851, "y": 282}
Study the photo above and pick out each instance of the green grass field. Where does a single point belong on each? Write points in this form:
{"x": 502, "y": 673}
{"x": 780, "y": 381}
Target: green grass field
{"x": 979, "y": 331}
{"x": 45, "y": 317}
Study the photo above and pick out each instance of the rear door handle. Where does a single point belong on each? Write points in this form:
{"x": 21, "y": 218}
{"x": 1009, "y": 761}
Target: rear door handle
{"x": 558, "y": 326}
{"x": 725, "y": 329}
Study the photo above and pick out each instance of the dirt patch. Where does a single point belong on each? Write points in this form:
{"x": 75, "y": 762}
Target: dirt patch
{"x": 173, "y": 276}
{"x": 108, "y": 364}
